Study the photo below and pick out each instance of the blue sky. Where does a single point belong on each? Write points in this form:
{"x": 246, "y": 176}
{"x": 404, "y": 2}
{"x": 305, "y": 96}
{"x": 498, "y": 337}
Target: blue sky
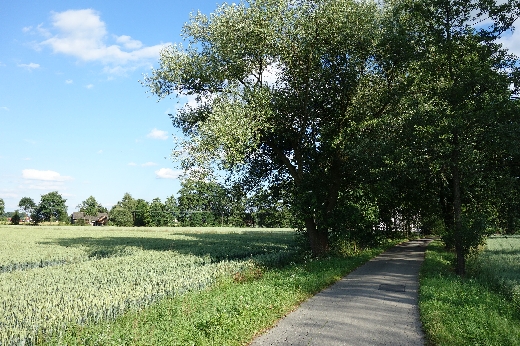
{"x": 73, "y": 116}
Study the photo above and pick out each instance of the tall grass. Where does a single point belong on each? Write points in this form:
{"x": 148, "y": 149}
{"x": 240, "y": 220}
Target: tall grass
{"x": 498, "y": 267}
{"x": 464, "y": 311}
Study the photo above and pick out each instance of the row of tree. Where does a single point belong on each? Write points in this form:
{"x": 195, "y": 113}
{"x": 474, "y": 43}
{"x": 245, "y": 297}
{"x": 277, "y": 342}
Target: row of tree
{"x": 200, "y": 203}
{"x": 362, "y": 112}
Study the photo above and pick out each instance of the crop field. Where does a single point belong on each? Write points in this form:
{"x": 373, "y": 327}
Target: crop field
{"x": 482, "y": 308}
{"x": 54, "y": 277}
{"x": 499, "y": 266}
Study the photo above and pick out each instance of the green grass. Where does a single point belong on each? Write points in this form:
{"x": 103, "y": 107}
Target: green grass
{"x": 463, "y": 311}
{"x": 498, "y": 267}
{"x": 231, "y": 312}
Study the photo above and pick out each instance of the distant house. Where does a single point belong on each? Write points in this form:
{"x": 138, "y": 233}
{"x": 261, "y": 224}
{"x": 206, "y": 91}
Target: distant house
{"x": 99, "y": 220}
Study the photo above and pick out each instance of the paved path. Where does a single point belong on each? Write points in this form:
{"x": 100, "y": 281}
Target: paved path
{"x": 374, "y": 305}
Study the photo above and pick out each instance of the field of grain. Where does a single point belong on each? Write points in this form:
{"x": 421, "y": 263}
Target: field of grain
{"x": 498, "y": 266}
{"x": 52, "y": 277}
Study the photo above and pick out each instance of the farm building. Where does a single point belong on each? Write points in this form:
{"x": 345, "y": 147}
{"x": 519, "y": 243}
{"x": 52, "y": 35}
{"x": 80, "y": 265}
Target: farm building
{"x": 99, "y": 220}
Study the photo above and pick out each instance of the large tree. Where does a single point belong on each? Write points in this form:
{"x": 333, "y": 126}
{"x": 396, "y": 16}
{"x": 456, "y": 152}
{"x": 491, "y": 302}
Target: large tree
{"x": 2, "y": 206}
{"x": 28, "y": 205}
{"x": 287, "y": 92}
{"x": 91, "y": 207}
{"x": 459, "y": 105}
{"x": 202, "y": 203}
{"x": 51, "y": 208}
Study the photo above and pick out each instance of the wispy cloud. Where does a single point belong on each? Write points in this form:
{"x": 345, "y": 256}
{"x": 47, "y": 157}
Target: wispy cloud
{"x": 149, "y": 164}
{"x": 68, "y": 81}
{"x": 100, "y": 152}
{"x": 132, "y": 164}
{"x": 158, "y": 134}
{"x": 34, "y": 174}
{"x": 82, "y": 34}
{"x": 168, "y": 173}
{"x": 89, "y": 86}
{"x": 31, "y": 66}
{"x": 4, "y": 109}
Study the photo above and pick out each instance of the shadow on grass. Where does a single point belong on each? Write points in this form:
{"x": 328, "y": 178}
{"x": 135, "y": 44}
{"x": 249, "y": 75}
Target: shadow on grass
{"x": 217, "y": 246}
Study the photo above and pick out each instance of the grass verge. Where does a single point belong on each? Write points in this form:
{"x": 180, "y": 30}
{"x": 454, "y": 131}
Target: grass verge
{"x": 229, "y": 313}
{"x": 462, "y": 311}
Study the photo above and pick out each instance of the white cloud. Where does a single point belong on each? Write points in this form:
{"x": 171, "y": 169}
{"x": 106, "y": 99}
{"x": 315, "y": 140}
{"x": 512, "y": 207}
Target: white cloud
{"x": 89, "y": 86}
{"x": 100, "y": 152}
{"x": 82, "y": 34}
{"x": 149, "y": 164}
{"x": 128, "y": 42}
{"x": 158, "y": 134}
{"x": 31, "y": 66}
{"x": 512, "y": 42}
{"x": 4, "y": 109}
{"x": 69, "y": 81}
{"x": 34, "y": 174}
{"x": 27, "y": 28}
{"x": 168, "y": 173}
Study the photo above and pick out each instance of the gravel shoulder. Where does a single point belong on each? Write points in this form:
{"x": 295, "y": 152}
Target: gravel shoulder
{"x": 374, "y": 305}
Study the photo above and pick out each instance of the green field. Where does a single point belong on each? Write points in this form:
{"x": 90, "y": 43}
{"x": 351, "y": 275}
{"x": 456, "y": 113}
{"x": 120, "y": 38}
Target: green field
{"x": 52, "y": 278}
{"x": 482, "y": 308}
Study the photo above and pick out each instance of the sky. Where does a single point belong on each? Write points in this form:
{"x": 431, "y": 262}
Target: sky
{"x": 73, "y": 116}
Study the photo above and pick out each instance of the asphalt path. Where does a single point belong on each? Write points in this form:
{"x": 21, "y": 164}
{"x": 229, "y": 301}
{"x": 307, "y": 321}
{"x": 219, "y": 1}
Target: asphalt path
{"x": 374, "y": 305}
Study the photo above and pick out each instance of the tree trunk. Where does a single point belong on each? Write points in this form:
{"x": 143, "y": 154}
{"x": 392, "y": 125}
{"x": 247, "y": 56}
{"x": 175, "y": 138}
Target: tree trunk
{"x": 460, "y": 268}
{"x": 457, "y": 213}
{"x": 319, "y": 240}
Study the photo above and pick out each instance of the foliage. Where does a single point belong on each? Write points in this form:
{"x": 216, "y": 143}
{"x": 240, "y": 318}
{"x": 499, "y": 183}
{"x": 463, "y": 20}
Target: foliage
{"x": 158, "y": 216}
{"x": 28, "y": 205}
{"x": 51, "y": 208}
{"x": 2, "y": 206}
{"x": 127, "y": 202}
{"x": 270, "y": 209}
{"x": 286, "y": 95}
{"x": 462, "y": 311}
{"x": 15, "y": 219}
{"x": 121, "y": 217}
{"x": 202, "y": 203}
{"x": 458, "y": 106}
{"x": 142, "y": 216}
{"x": 91, "y": 207}
{"x": 171, "y": 211}
{"x": 123, "y": 212}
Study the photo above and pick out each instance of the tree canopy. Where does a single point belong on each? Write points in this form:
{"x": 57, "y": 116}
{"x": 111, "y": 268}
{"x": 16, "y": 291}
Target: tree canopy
{"x": 361, "y": 112}
{"x": 91, "y": 207}
{"x": 51, "y": 208}
{"x": 286, "y": 93}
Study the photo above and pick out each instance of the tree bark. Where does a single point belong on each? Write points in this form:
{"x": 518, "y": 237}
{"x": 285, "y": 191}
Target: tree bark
{"x": 318, "y": 239}
{"x": 457, "y": 212}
